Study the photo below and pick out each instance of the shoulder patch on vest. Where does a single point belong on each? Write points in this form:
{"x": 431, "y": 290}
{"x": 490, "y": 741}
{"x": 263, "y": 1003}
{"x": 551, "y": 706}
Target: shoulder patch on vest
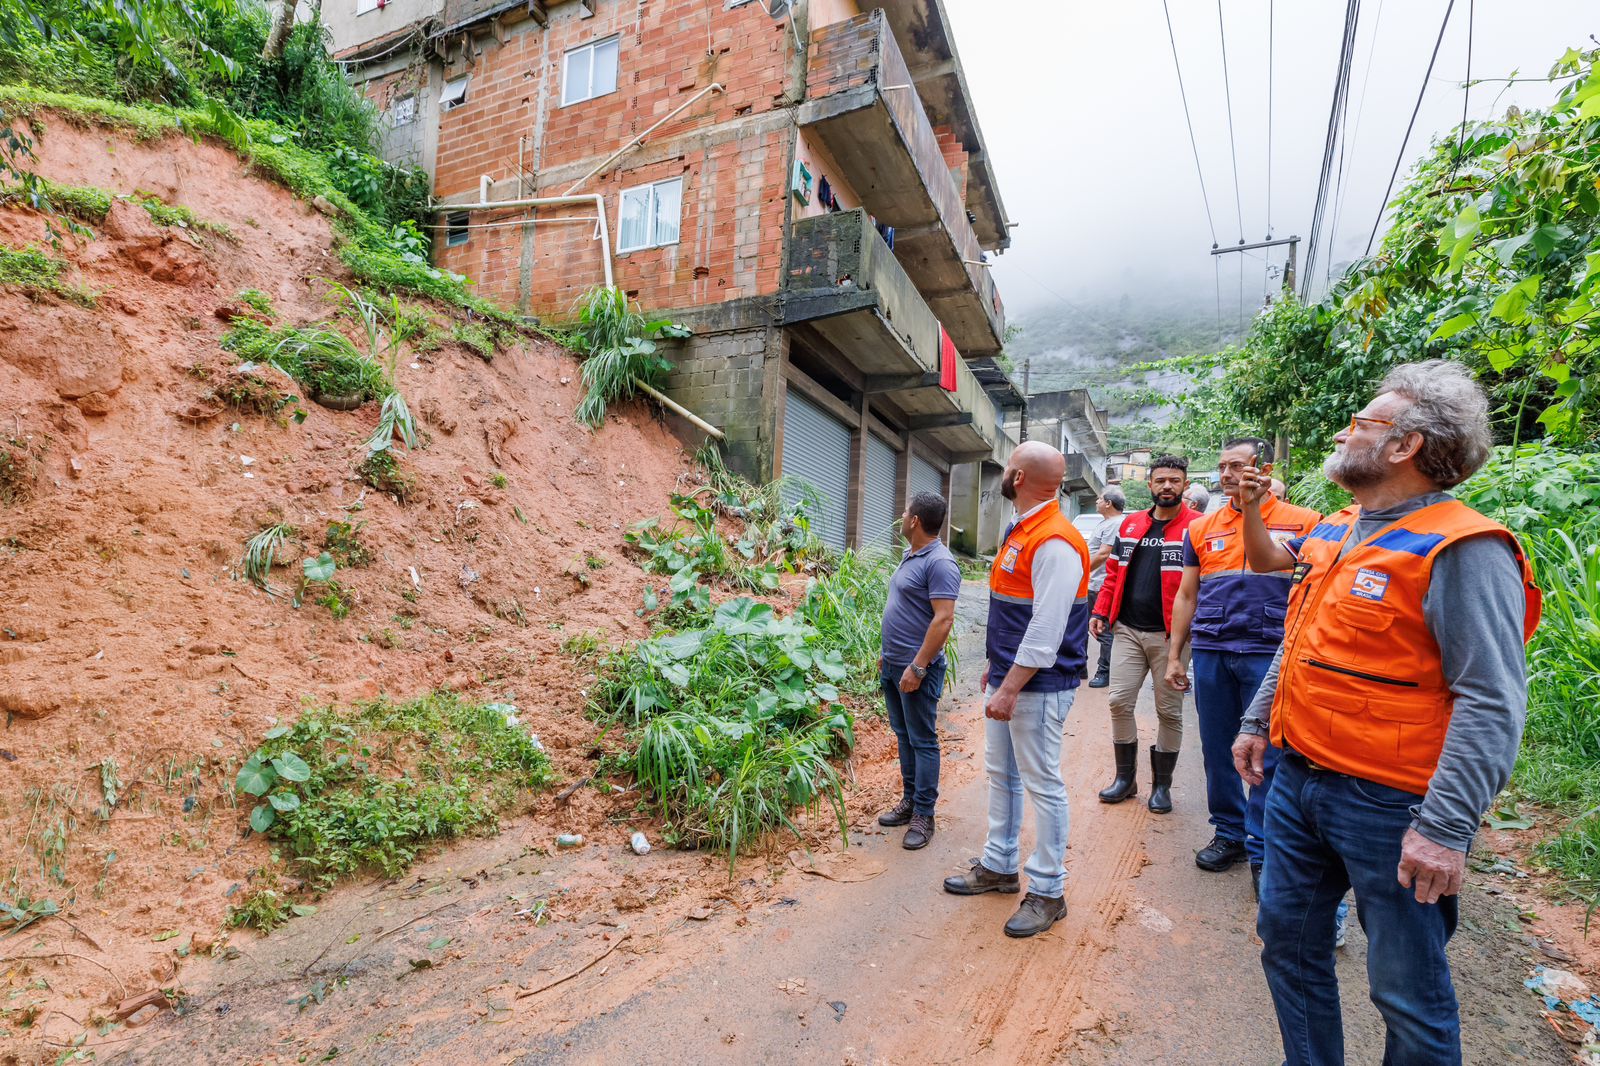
{"x": 1008, "y": 561}
{"x": 1370, "y": 584}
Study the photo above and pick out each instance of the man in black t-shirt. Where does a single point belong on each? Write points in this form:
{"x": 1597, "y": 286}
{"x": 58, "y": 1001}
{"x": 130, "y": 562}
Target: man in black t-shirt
{"x": 1142, "y": 577}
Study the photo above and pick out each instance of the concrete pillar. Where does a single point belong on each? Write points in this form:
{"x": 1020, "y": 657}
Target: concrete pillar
{"x": 856, "y": 505}
{"x": 966, "y": 510}
{"x": 994, "y": 509}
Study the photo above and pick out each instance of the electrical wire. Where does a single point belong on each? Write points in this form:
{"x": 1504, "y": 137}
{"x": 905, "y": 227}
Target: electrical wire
{"x": 1342, "y": 190}
{"x": 1341, "y": 87}
{"x": 1401, "y": 155}
{"x": 1233, "y": 151}
{"x": 1466, "y": 89}
{"x": 1194, "y": 146}
{"x": 1266, "y": 280}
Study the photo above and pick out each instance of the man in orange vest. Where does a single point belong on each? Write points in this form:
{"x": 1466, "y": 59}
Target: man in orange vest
{"x": 1398, "y": 699}
{"x": 1233, "y": 617}
{"x": 1036, "y": 644}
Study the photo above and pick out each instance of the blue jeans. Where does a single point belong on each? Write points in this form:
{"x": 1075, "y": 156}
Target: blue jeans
{"x": 1024, "y": 754}
{"x": 1224, "y": 685}
{"x": 914, "y": 718}
{"x": 1325, "y": 833}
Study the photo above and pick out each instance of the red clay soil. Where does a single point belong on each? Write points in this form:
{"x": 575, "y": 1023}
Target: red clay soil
{"x": 128, "y": 636}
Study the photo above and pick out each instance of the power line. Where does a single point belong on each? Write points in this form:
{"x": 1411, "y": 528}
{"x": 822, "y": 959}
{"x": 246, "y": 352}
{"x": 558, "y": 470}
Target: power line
{"x": 1466, "y": 89}
{"x": 1401, "y": 155}
{"x": 1354, "y": 137}
{"x": 1266, "y": 279}
{"x": 1233, "y": 151}
{"x": 1341, "y": 87}
{"x": 1193, "y": 145}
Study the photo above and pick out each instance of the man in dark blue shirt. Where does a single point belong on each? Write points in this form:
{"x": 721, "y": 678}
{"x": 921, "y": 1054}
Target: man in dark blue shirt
{"x": 916, "y": 623}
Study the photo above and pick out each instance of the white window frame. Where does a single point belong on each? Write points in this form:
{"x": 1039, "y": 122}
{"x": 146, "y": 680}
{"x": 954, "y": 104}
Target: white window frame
{"x": 567, "y": 97}
{"x": 394, "y": 111}
{"x": 446, "y": 103}
{"x": 654, "y": 240}
{"x": 456, "y": 231}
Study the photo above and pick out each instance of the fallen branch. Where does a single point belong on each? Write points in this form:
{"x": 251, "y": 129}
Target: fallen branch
{"x": 566, "y": 794}
{"x": 525, "y": 993}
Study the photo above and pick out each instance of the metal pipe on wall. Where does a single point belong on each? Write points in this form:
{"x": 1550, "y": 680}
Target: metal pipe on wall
{"x": 597, "y": 199}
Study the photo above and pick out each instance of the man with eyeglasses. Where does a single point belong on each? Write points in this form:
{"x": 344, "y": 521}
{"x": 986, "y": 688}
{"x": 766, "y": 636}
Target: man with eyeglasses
{"x": 1397, "y": 700}
{"x": 1232, "y": 617}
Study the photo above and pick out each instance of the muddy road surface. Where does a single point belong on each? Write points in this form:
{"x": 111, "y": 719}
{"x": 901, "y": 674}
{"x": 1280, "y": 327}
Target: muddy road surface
{"x": 495, "y": 953}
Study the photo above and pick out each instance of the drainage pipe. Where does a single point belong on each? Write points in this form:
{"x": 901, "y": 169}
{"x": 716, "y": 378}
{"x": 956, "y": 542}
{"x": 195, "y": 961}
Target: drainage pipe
{"x": 596, "y": 200}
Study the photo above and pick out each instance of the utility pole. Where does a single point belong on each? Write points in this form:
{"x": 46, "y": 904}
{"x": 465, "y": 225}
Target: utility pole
{"x": 1289, "y": 268}
{"x": 1027, "y": 365}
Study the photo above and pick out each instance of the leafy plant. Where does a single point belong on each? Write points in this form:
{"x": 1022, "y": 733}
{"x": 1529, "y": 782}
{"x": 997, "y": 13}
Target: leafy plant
{"x": 260, "y": 551}
{"x": 618, "y": 352}
{"x": 381, "y": 470}
{"x": 342, "y": 790}
{"x": 319, "y": 358}
{"x": 35, "y": 273}
{"x": 180, "y": 217}
{"x": 342, "y": 540}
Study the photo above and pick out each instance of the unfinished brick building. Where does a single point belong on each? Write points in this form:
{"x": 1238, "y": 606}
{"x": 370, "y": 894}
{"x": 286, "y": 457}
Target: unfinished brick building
{"x": 804, "y": 184}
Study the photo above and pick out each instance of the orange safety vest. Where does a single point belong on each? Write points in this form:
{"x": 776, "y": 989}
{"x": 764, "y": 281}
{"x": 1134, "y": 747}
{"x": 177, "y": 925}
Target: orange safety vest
{"x": 1011, "y": 602}
{"x": 1238, "y": 610}
{"x": 1361, "y": 688}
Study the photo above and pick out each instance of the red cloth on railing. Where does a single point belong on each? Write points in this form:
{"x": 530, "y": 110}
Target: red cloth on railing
{"x": 947, "y": 361}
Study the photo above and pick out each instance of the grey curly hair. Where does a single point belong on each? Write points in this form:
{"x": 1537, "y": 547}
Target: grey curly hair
{"x": 1451, "y": 412}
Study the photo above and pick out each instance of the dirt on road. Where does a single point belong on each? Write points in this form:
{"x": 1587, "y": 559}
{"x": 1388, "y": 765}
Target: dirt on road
{"x": 505, "y": 951}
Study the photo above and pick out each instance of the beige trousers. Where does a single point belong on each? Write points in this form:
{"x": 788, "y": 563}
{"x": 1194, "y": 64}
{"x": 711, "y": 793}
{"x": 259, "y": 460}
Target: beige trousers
{"x": 1135, "y": 653}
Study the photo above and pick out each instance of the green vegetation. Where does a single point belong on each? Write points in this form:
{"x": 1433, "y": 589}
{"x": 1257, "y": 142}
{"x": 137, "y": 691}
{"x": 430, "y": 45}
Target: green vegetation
{"x": 476, "y": 336}
{"x": 318, "y": 357}
{"x": 614, "y": 340}
{"x": 382, "y": 471}
{"x": 259, "y": 302}
{"x": 83, "y": 202}
{"x": 260, "y": 551}
{"x": 35, "y": 273}
{"x": 176, "y": 215}
{"x": 732, "y": 711}
{"x": 342, "y": 541}
{"x": 344, "y": 790}
{"x": 1493, "y": 260}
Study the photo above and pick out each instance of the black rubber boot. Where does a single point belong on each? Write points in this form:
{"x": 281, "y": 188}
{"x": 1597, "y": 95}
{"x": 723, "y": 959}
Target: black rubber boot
{"x": 1126, "y": 786}
{"x": 1162, "y": 763}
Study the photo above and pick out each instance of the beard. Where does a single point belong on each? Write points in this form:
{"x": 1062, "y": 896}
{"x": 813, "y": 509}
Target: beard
{"x": 1008, "y": 488}
{"x": 1353, "y": 470}
{"x": 1167, "y": 499}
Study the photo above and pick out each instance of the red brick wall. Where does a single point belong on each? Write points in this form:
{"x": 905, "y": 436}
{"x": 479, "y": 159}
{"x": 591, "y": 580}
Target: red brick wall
{"x": 733, "y": 196}
{"x": 955, "y": 157}
{"x": 841, "y": 57}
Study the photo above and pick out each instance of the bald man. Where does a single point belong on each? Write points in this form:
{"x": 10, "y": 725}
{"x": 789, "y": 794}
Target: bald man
{"x": 1037, "y": 635}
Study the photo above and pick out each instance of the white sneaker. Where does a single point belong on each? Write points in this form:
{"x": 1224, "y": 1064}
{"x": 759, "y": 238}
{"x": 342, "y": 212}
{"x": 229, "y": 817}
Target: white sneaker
{"x": 1338, "y": 931}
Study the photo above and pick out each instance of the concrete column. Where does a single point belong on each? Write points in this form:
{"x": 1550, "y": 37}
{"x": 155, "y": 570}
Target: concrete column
{"x": 994, "y": 509}
{"x": 966, "y": 509}
{"x": 856, "y": 506}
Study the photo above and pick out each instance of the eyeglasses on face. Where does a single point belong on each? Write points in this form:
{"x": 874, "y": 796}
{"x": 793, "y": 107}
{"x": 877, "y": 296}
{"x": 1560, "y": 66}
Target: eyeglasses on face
{"x": 1355, "y": 421}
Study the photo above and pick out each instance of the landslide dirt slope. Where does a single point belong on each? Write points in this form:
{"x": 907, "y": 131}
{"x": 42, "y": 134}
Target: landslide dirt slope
{"x": 128, "y": 637}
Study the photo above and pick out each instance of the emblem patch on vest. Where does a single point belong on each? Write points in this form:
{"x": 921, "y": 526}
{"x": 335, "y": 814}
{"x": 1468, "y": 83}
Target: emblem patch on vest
{"x": 1301, "y": 572}
{"x": 1218, "y": 544}
{"x": 1370, "y": 584}
{"x": 1008, "y": 561}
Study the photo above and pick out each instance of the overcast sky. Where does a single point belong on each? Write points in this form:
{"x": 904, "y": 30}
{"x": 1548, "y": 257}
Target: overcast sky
{"x": 1080, "y": 108}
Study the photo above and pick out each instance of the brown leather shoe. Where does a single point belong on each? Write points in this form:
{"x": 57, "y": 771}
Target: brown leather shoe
{"x": 1037, "y": 914}
{"x": 981, "y": 879}
{"x": 900, "y": 814}
{"x": 920, "y": 833}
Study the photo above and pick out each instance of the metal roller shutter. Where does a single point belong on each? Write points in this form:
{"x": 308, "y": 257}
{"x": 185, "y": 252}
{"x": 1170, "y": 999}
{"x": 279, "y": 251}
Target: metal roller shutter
{"x": 816, "y": 450}
{"x": 925, "y": 477}
{"x": 879, "y": 526}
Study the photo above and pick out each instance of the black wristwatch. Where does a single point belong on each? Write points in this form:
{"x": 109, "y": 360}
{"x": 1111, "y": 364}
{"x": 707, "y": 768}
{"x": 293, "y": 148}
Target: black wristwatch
{"x": 920, "y": 671}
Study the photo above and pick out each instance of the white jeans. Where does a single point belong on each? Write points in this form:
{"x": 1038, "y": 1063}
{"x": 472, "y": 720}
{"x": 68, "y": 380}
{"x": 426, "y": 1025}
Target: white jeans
{"x": 1025, "y": 754}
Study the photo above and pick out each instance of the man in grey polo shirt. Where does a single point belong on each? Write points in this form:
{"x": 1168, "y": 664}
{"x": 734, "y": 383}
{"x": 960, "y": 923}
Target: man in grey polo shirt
{"x": 916, "y": 622}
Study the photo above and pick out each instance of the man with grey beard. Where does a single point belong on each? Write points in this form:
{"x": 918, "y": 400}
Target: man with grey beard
{"x": 1398, "y": 698}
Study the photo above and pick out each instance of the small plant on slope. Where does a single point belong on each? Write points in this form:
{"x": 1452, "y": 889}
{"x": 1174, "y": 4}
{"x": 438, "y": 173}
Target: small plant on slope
{"x": 619, "y": 354}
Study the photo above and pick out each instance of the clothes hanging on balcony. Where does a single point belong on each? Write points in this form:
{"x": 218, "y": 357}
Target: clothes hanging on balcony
{"x": 947, "y": 361}
{"x": 887, "y": 233}
{"x": 825, "y": 195}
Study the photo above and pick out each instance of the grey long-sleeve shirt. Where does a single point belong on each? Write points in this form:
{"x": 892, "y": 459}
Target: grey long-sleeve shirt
{"x": 1474, "y": 608}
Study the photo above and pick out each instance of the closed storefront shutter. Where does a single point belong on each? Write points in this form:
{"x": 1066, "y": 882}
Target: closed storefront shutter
{"x": 880, "y": 525}
{"x": 816, "y": 451}
{"x": 925, "y": 477}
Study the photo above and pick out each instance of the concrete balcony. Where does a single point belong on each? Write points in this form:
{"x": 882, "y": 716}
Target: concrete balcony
{"x": 863, "y": 106}
{"x": 845, "y": 283}
{"x": 1081, "y": 477}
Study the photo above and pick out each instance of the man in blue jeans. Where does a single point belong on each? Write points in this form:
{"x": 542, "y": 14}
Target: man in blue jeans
{"x": 916, "y": 623}
{"x": 1397, "y": 700}
{"x": 1036, "y": 645}
{"x": 1233, "y": 618}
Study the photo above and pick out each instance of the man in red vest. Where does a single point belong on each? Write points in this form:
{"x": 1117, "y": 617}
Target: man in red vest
{"x": 1398, "y": 699}
{"x": 1036, "y": 644}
